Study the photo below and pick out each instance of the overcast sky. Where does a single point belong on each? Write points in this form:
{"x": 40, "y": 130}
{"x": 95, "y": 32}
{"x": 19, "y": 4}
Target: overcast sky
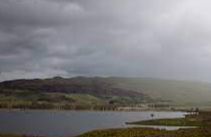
{"x": 134, "y": 38}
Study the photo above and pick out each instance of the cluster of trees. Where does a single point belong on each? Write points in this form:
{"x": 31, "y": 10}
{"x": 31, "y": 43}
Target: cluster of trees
{"x": 47, "y": 105}
{"x": 158, "y": 105}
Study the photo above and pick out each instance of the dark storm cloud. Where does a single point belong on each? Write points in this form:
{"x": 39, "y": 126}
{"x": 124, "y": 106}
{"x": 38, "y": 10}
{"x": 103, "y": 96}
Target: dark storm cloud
{"x": 144, "y": 38}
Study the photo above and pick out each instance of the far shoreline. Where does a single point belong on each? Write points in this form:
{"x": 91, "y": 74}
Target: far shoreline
{"x": 88, "y": 110}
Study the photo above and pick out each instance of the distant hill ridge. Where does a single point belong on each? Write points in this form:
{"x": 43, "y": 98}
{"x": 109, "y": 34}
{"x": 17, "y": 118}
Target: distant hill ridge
{"x": 79, "y": 85}
{"x": 148, "y": 89}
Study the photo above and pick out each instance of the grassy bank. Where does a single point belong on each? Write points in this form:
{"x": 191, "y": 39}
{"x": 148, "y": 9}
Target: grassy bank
{"x": 169, "y": 122}
{"x": 146, "y": 132}
{"x": 190, "y": 120}
{"x": 203, "y": 121}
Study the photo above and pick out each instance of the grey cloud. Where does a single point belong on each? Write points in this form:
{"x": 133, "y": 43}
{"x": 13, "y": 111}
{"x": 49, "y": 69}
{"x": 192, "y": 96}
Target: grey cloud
{"x": 142, "y": 38}
{"x": 37, "y": 12}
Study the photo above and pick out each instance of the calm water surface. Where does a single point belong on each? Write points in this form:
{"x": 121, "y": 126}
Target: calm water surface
{"x": 70, "y": 123}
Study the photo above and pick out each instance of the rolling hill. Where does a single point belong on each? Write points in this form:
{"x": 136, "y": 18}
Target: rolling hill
{"x": 86, "y": 92}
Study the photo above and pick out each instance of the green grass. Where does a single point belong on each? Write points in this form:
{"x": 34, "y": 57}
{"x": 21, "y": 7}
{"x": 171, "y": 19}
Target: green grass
{"x": 203, "y": 121}
{"x": 25, "y": 99}
{"x": 146, "y": 132}
{"x": 36, "y": 100}
{"x": 197, "y": 120}
{"x": 85, "y": 99}
{"x": 170, "y": 122}
{"x": 130, "y": 132}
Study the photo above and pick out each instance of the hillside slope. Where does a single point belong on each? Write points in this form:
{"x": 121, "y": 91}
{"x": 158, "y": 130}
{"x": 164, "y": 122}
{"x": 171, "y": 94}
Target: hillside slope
{"x": 105, "y": 91}
{"x": 178, "y": 92}
{"x": 77, "y": 92}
